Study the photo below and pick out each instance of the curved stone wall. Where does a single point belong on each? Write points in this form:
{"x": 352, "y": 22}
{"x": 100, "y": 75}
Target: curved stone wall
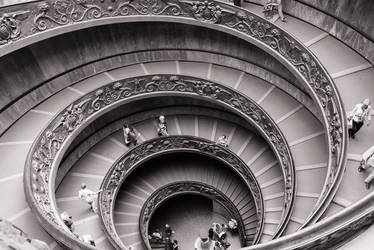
{"x": 358, "y": 13}
{"x": 347, "y": 20}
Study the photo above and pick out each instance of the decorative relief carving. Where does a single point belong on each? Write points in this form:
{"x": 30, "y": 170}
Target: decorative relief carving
{"x": 148, "y": 7}
{"x": 62, "y": 12}
{"x": 177, "y": 188}
{"x": 10, "y": 27}
{"x": 207, "y": 11}
{"x": 119, "y": 171}
{"x": 50, "y": 141}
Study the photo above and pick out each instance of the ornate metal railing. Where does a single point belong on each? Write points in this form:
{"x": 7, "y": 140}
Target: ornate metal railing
{"x": 133, "y": 158}
{"x": 329, "y": 233}
{"x": 27, "y": 23}
{"x": 49, "y": 148}
{"x": 180, "y": 188}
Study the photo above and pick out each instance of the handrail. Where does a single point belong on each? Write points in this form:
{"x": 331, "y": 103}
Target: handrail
{"x": 174, "y": 189}
{"x": 23, "y": 26}
{"x": 329, "y": 232}
{"x": 150, "y": 149}
{"x": 50, "y": 146}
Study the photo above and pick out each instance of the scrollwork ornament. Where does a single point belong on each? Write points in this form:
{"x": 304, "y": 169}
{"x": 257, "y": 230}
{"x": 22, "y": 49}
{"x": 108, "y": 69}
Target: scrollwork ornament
{"x": 148, "y": 7}
{"x": 62, "y": 12}
{"x": 207, "y": 11}
{"x": 10, "y": 29}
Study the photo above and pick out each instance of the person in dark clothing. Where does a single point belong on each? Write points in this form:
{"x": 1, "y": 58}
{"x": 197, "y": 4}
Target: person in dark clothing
{"x": 175, "y": 245}
{"x": 168, "y": 231}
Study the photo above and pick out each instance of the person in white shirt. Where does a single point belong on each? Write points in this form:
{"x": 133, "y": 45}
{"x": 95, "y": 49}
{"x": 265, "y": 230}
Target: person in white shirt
{"x": 129, "y": 135}
{"x": 359, "y": 115}
{"x": 222, "y": 140}
{"x": 89, "y": 196}
{"x": 203, "y": 243}
{"x": 367, "y": 162}
{"x": 68, "y": 220}
{"x": 162, "y": 129}
{"x": 87, "y": 238}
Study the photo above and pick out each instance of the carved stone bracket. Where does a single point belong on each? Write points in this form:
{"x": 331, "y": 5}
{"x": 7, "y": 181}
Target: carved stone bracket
{"x": 179, "y": 188}
{"x": 48, "y": 149}
{"x": 118, "y": 173}
{"x": 53, "y": 14}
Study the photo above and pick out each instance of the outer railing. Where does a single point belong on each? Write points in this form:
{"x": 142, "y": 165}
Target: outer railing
{"x": 135, "y": 157}
{"x": 49, "y": 148}
{"x": 329, "y": 233}
{"x": 172, "y": 190}
{"x": 27, "y": 23}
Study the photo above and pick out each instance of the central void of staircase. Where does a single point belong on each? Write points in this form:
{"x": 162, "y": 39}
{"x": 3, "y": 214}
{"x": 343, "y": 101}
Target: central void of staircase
{"x": 185, "y": 167}
{"x": 189, "y": 216}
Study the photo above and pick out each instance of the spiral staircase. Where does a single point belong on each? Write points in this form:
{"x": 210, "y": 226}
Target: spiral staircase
{"x": 73, "y": 72}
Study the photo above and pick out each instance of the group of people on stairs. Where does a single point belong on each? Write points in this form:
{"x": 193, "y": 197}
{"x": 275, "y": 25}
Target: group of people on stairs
{"x": 216, "y": 239}
{"x": 89, "y": 197}
{"x": 131, "y": 136}
{"x": 166, "y": 240}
